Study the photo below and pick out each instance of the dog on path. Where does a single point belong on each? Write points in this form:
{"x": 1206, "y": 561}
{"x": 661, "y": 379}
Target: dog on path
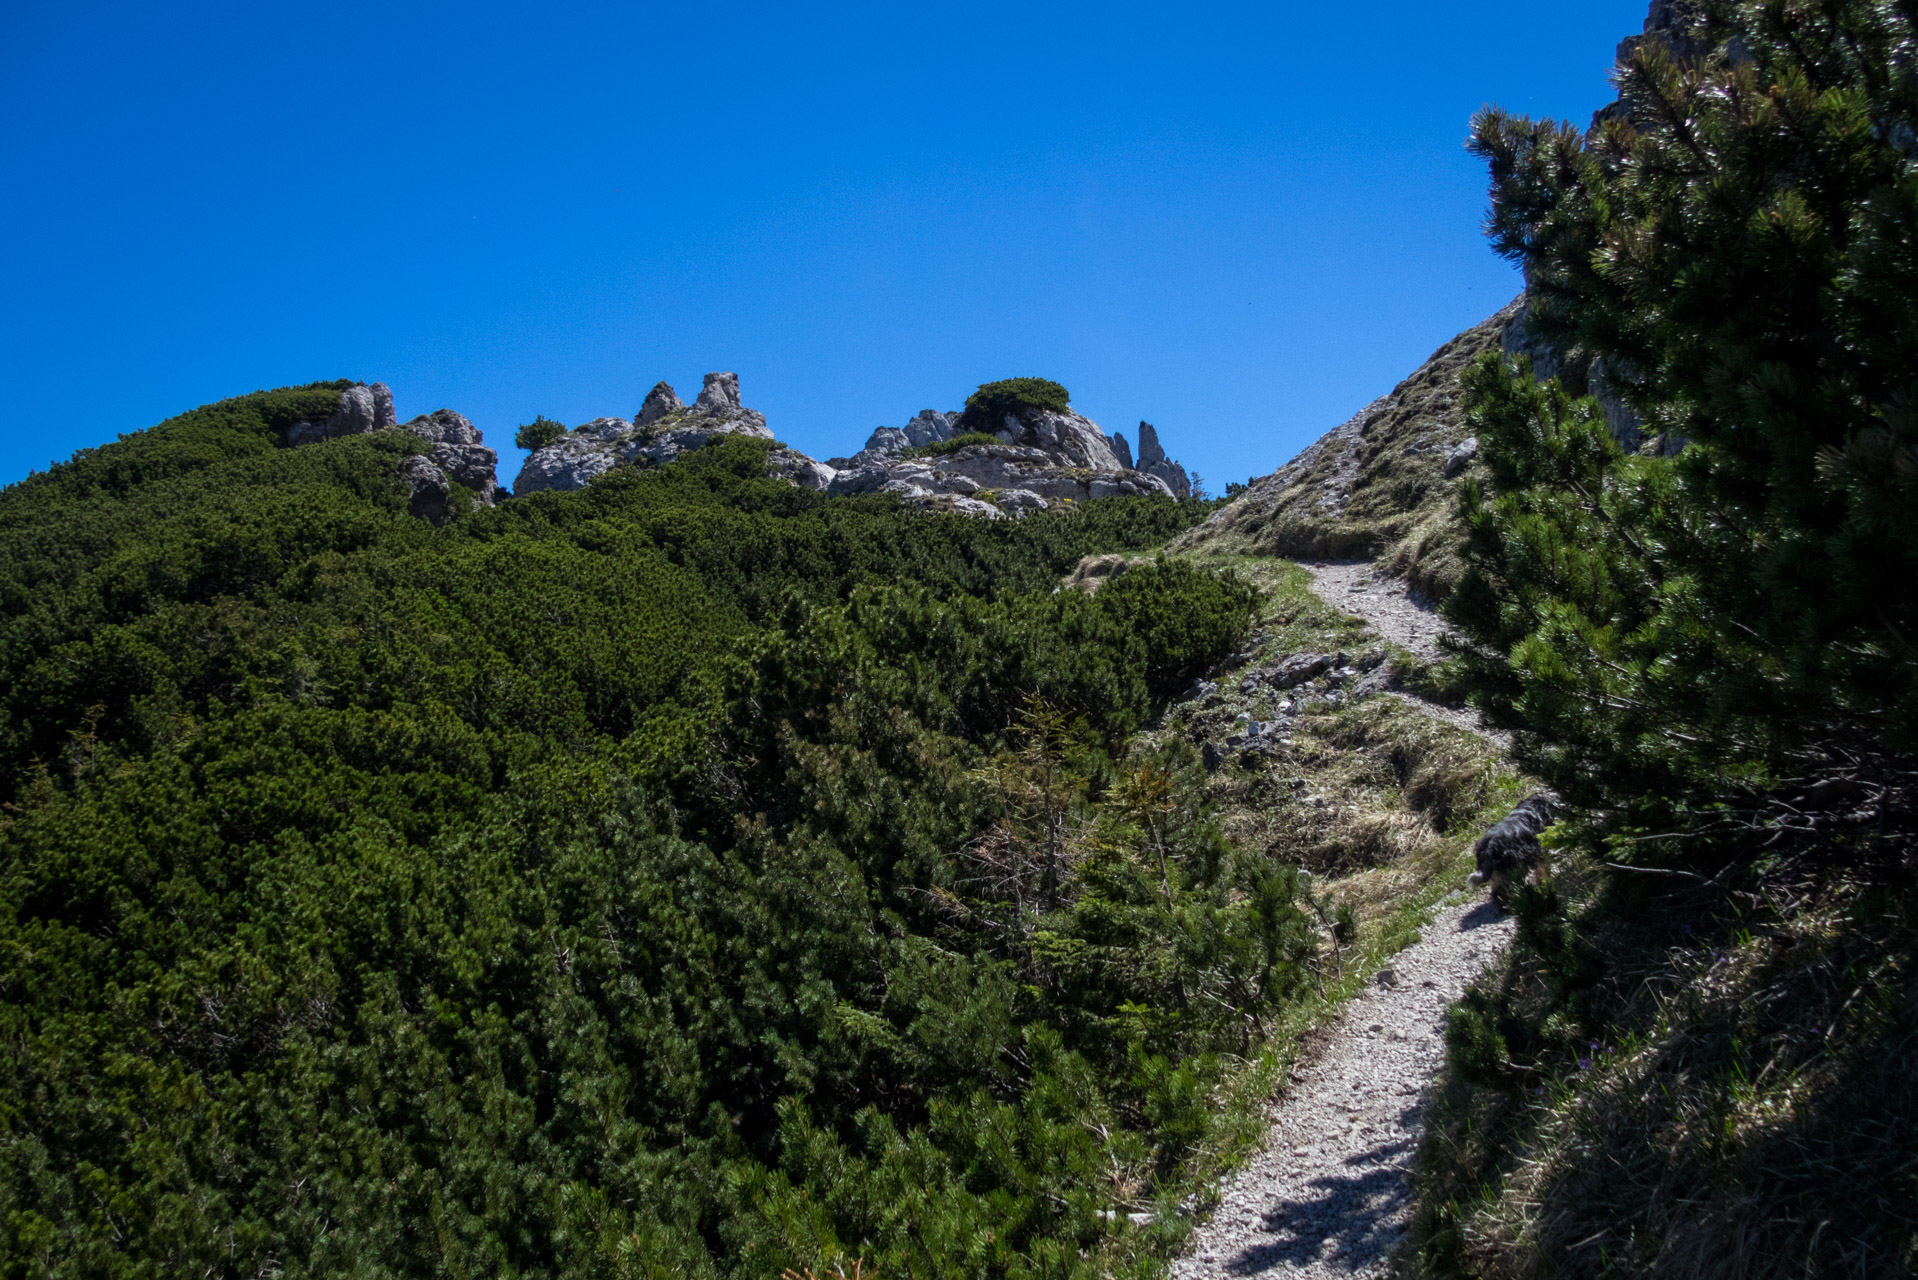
{"x": 1507, "y": 853}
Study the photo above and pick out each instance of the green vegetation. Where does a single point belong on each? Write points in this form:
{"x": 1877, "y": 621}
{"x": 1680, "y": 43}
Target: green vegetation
{"x": 986, "y": 408}
{"x": 1710, "y": 656}
{"x": 942, "y": 448}
{"x": 538, "y": 433}
{"x": 688, "y": 875}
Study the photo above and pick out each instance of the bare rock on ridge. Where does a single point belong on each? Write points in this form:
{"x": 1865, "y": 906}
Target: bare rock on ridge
{"x": 428, "y": 492}
{"x": 383, "y": 415}
{"x": 665, "y": 428}
{"x": 1153, "y": 462}
{"x": 362, "y": 409}
{"x": 660, "y": 401}
{"x": 720, "y": 394}
{"x": 1041, "y": 457}
{"x": 457, "y": 453}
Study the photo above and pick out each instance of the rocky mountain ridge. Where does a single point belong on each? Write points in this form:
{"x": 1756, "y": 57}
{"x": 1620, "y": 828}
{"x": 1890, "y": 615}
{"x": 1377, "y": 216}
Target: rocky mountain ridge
{"x": 1034, "y": 459}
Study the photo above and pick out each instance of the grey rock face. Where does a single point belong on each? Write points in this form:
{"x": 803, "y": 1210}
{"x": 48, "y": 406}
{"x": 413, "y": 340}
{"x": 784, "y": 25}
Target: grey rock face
{"x": 356, "y": 414}
{"x": 1153, "y": 462}
{"x": 429, "y": 492}
{"x": 1070, "y": 438}
{"x": 443, "y": 426}
{"x": 929, "y": 426}
{"x": 962, "y": 505}
{"x": 472, "y": 465}
{"x": 607, "y": 429}
{"x": 1043, "y": 458}
{"x": 1022, "y": 502}
{"x": 1149, "y": 449}
{"x": 660, "y": 401}
{"x": 359, "y": 413}
{"x": 458, "y": 451}
{"x": 457, "y": 454}
{"x": 383, "y": 416}
{"x": 568, "y": 463}
{"x": 720, "y": 394}
{"x": 1456, "y": 460}
{"x": 797, "y": 468}
{"x": 886, "y": 442}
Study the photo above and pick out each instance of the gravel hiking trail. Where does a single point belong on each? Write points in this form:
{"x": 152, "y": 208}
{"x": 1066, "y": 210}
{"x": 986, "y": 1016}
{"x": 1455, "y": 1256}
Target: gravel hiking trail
{"x": 1330, "y": 1194}
{"x": 1400, "y": 615}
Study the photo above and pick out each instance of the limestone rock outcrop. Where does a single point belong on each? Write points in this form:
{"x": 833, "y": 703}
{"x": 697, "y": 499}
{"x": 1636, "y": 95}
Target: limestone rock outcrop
{"x": 660, "y": 401}
{"x": 363, "y": 408}
{"x": 1041, "y": 457}
{"x": 457, "y": 453}
{"x": 664, "y": 429}
{"x": 428, "y": 492}
{"x": 1152, "y": 461}
{"x": 1037, "y": 458}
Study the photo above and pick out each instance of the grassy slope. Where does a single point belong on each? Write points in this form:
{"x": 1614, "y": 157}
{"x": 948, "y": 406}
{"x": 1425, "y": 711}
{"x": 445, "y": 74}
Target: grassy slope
{"x": 1665, "y": 1080}
{"x": 1373, "y": 488}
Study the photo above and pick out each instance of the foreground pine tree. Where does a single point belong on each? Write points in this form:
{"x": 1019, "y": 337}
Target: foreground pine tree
{"x": 1721, "y": 641}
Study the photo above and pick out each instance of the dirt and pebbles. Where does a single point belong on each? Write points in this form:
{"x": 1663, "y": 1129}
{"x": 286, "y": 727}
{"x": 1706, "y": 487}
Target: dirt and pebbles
{"x": 1400, "y": 615}
{"x": 1330, "y": 1194}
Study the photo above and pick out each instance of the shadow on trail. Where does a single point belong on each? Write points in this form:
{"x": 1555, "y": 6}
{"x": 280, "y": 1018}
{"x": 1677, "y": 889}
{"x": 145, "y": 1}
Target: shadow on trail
{"x": 1350, "y": 1218}
{"x": 1478, "y": 917}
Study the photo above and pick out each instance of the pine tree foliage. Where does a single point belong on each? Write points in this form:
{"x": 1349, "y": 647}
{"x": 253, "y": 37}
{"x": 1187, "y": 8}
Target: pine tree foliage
{"x": 1725, "y": 637}
{"x": 688, "y": 876}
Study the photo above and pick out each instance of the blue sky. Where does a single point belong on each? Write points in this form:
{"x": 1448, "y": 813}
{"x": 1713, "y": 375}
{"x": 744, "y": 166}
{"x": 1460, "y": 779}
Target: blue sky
{"x": 1238, "y": 222}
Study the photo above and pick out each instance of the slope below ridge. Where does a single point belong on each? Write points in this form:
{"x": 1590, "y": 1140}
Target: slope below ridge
{"x": 1379, "y": 486}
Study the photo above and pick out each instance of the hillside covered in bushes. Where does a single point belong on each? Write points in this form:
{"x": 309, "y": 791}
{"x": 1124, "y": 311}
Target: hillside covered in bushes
{"x": 692, "y": 874}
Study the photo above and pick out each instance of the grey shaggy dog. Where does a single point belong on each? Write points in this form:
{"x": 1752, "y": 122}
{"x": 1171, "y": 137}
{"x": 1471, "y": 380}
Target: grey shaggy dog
{"x": 1507, "y": 853}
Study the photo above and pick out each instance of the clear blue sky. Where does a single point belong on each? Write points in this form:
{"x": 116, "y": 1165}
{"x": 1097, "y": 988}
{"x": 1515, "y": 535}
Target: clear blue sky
{"x": 1239, "y": 222}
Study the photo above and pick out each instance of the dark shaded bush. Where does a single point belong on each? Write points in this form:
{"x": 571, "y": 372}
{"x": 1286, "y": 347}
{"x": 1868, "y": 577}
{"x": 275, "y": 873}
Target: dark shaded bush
{"x": 986, "y": 408}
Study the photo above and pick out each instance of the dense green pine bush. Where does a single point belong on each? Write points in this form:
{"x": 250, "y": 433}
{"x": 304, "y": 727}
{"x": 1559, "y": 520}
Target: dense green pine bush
{"x": 1691, "y": 1063}
{"x": 986, "y": 408}
{"x": 940, "y": 448}
{"x": 538, "y": 433}
{"x": 1721, "y": 641}
{"x": 688, "y": 875}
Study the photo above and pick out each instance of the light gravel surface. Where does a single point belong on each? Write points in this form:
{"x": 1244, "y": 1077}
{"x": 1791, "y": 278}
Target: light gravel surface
{"x": 1400, "y": 615}
{"x": 1386, "y": 603}
{"x": 1330, "y": 1194}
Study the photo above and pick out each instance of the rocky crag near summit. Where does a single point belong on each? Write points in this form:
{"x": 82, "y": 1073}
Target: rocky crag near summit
{"x": 664, "y": 428}
{"x": 457, "y": 453}
{"x": 1034, "y": 458}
